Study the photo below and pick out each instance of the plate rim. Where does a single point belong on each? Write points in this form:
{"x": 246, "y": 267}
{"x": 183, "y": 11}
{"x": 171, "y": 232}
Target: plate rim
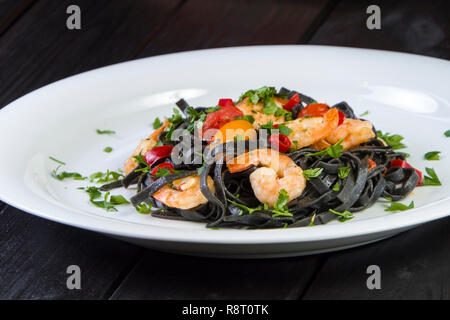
{"x": 426, "y": 213}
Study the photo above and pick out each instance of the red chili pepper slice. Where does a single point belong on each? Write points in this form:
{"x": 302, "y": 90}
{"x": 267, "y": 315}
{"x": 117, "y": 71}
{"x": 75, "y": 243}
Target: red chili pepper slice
{"x": 403, "y": 164}
{"x": 166, "y": 165}
{"x": 341, "y": 118}
{"x": 293, "y": 101}
{"x": 225, "y": 103}
{"x": 280, "y": 142}
{"x": 157, "y": 153}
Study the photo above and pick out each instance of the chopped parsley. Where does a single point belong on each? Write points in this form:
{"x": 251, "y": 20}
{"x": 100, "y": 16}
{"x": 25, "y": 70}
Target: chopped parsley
{"x": 65, "y": 175}
{"x": 144, "y": 208}
{"x": 247, "y": 118}
{"x": 103, "y": 177}
{"x": 344, "y": 216}
{"x": 312, "y": 173}
{"x": 108, "y": 149}
{"x": 105, "y": 131}
{"x": 157, "y": 123}
{"x": 334, "y": 151}
{"x": 365, "y": 113}
{"x": 266, "y": 96}
{"x": 213, "y": 109}
{"x": 432, "y": 178}
{"x": 397, "y": 206}
{"x": 249, "y": 210}
{"x": 432, "y": 155}
{"x": 282, "y": 128}
{"x": 343, "y": 172}
{"x": 336, "y": 186}
{"x": 447, "y": 133}
{"x": 108, "y": 203}
{"x": 393, "y": 140}
{"x": 280, "y": 208}
{"x": 311, "y": 222}
{"x": 57, "y": 161}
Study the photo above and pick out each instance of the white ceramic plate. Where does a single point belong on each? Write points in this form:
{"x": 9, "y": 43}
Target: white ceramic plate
{"x": 405, "y": 94}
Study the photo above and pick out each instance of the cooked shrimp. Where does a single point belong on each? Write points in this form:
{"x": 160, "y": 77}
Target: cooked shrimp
{"x": 353, "y": 131}
{"x": 184, "y": 193}
{"x": 308, "y": 131}
{"x": 277, "y": 172}
{"x": 256, "y": 111}
{"x": 143, "y": 146}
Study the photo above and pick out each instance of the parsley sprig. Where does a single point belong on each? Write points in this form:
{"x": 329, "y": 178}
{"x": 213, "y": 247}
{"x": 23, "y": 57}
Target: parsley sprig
{"x": 432, "y": 178}
{"x": 343, "y": 216}
{"x": 312, "y": 173}
{"x": 334, "y": 151}
{"x": 109, "y": 201}
{"x": 397, "y": 206}
{"x": 432, "y": 155}
{"x": 393, "y": 140}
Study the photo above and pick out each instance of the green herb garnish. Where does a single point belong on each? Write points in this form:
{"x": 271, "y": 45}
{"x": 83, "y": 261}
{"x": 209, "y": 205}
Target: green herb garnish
{"x": 432, "y": 178}
{"x": 247, "y": 118}
{"x": 64, "y": 175}
{"x": 103, "y": 177}
{"x": 105, "y": 131}
{"x": 57, "y": 161}
{"x": 144, "y": 208}
{"x": 397, "y": 206}
{"x": 432, "y": 155}
{"x": 343, "y": 172}
{"x": 108, "y": 149}
{"x": 365, "y": 113}
{"x": 334, "y": 151}
{"x": 312, "y": 173}
{"x": 249, "y": 210}
{"x": 157, "y": 123}
{"x": 213, "y": 109}
{"x": 447, "y": 133}
{"x": 280, "y": 208}
{"x": 393, "y": 140}
{"x": 344, "y": 216}
{"x": 311, "y": 222}
{"x": 107, "y": 204}
{"x": 336, "y": 186}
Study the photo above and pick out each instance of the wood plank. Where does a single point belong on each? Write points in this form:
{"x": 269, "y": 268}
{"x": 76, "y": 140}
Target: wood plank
{"x": 37, "y": 51}
{"x": 215, "y": 23}
{"x": 35, "y": 254}
{"x": 414, "y": 265}
{"x": 169, "y": 276}
{"x": 415, "y": 26}
{"x": 11, "y": 10}
{"x": 197, "y": 25}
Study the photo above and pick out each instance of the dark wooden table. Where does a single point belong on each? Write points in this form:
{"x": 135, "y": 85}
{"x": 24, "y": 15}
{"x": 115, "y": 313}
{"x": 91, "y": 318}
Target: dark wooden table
{"x": 36, "y": 48}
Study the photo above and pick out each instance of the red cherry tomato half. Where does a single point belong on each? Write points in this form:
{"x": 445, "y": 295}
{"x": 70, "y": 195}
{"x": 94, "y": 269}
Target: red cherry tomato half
{"x": 403, "y": 164}
{"x": 314, "y": 110}
{"x": 157, "y": 153}
{"x": 341, "y": 118}
{"x": 225, "y": 103}
{"x": 280, "y": 142}
{"x": 166, "y": 165}
{"x": 217, "y": 119}
{"x": 293, "y": 101}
